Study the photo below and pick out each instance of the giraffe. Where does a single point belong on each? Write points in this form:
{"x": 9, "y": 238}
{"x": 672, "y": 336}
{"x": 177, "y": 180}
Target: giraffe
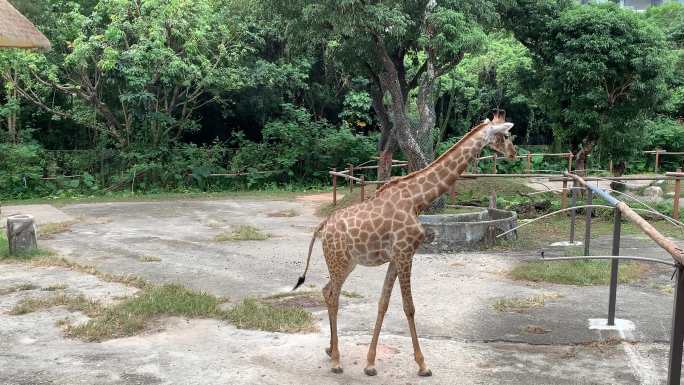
{"x": 385, "y": 229}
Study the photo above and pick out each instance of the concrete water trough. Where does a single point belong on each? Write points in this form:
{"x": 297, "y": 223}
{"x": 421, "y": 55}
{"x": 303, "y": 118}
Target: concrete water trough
{"x": 469, "y": 231}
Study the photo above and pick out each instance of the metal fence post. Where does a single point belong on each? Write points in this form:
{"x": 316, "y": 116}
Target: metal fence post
{"x": 587, "y": 224}
{"x": 674, "y": 370}
{"x": 617, "y": 224}
{"x": 334, "y": 181}
{"x": 564, "y": 195}
{"x": 657, "y": 160}
{"x": 573, "y": 215}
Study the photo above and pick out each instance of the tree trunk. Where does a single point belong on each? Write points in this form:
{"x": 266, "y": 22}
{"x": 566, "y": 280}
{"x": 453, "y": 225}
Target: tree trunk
{"x": 21, "y": 234}
{"x": 581, "y": 158}
{"x": 618, "y": 170}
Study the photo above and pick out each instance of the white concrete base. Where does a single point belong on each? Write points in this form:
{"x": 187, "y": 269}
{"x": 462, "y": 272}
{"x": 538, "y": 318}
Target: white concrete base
{"x": 567, "y": 244}
{"x": 602, "y": 324}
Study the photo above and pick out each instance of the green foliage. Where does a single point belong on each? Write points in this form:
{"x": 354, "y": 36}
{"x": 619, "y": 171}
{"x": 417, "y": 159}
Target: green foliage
{"x": 609, "y": 68}
{"x": 299, "y": 146}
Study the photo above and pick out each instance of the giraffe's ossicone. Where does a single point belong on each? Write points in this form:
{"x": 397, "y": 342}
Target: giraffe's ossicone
{"x": 385, "y": 229}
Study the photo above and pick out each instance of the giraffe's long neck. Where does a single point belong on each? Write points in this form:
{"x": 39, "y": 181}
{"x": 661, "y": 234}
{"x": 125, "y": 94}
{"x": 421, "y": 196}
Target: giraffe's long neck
{"x": 437, "y": 178}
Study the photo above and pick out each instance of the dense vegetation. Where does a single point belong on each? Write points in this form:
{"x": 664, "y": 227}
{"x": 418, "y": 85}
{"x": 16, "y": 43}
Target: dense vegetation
{"x": 151, "y": 95}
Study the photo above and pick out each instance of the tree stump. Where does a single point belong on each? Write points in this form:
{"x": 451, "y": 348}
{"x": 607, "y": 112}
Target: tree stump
{"x": 21, "y": 234}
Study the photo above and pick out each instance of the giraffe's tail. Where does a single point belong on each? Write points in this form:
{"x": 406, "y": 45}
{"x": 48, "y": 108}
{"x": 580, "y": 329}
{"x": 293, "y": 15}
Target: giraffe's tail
{"x": 301, "y": 279}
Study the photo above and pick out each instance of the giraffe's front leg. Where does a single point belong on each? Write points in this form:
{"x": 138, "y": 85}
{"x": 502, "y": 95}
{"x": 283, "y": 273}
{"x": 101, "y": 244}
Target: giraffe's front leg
{"x": 390, "y": 278}
{"x": 331, "y": 294}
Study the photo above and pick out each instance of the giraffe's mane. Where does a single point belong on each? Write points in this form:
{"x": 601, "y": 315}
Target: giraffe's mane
{"x": 446, "y": 153}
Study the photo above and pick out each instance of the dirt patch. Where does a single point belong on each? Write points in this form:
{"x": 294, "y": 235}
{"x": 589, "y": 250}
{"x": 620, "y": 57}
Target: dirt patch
{"x": 319, "y": 198}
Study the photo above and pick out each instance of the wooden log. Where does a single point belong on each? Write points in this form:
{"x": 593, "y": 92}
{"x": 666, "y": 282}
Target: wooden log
{"x": 494, "y": 164}
{"x": 21, "y": 234}
{"x": 363, "y": 188}
{"x": 564, "y": 196}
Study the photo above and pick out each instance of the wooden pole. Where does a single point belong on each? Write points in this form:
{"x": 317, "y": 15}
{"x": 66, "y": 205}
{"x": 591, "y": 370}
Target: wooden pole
{"x": 529, "y": 162}
{"x": 564, "y": 195}
{"x": 570, "y": 162}
{"x": 494, "y": 164}
{"x": 351, "y": 181}
{"x": 363, "y": 188}
{"x": 657, "y": 160}
{"x": 677, "y": 195}
{"x": 334, "y": 187}
{"x": 610, "y": 167}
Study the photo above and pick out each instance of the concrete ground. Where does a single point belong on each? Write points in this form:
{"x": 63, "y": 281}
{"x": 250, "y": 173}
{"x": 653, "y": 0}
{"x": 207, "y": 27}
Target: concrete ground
{"x": 465, "y": 340}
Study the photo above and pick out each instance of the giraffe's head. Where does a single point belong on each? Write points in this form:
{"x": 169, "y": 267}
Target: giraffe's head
{"x": 498, "y": 135}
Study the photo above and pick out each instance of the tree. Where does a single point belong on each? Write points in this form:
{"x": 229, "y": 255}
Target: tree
{"x": 608, "y": 73}
{"x": 139, "y": 69}
{"x": 402, "y": 48}
{"x": 603, "y": 66}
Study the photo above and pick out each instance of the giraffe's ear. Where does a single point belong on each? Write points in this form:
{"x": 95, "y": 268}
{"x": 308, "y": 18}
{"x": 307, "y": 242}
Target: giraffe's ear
{"x": 486, "y": 121}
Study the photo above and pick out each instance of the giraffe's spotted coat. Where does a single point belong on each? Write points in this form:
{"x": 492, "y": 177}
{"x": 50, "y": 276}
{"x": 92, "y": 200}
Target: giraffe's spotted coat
{"x": 386, "y": 229}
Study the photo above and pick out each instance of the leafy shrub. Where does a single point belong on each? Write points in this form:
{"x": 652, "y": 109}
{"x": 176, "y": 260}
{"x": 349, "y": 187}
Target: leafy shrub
{"x": 297, "y": 148}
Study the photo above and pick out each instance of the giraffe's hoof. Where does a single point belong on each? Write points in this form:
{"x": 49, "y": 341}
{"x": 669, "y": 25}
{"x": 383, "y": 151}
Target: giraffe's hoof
{"x": 328, "y": 351}
{"x": 336, "y": 370}
{"x": 370, "y": 372}
{"x": 425, "y": 373}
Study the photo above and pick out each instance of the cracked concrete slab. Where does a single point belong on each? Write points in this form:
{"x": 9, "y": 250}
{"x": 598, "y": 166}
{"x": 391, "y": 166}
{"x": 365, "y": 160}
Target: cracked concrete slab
{"x": 465, "y": 340}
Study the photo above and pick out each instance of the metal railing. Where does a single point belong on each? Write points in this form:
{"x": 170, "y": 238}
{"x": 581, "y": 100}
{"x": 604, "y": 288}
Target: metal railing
{"x": 622, "y": 210}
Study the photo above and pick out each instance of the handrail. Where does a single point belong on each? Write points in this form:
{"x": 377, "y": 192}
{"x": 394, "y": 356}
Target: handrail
{"x": 648, "y": 229}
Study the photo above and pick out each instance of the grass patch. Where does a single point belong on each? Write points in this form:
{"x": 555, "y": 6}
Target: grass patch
{"x": 289, "y": 213}
{"x": 71, "y": 302}
{"x": 149, "y": 258}
{"x": 351, "y": 294}
{"x": 132, "y": 316}
{"x": 663, "y": 288}
{"x": 541, "y": 234}
{"x": 252, "y": 314}
{"x": 55, "y": 287}
{"x": 19, "y": 287}
{"x": 578, "y": 272}
{"x": 49, "y": 229}
{"x": 521, "y": 305}
{"x": 24, "y": 256}
{"x": 129, "y": 280}
{"x": 288, "y": 194}
{"x": 242, "y": 233}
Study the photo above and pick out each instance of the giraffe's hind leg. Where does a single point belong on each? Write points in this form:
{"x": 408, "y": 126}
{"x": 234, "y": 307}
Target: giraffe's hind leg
{"x": 331, "y": 294}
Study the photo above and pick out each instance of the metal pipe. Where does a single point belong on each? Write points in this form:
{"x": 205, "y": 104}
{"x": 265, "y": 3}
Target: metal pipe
{"x": 646, "y": 227}
{"x": 612, "y": 296}
{"x": 587, "y": 223}
{"x": 573, "y": 216}
{"x": 610, "y": 257}
{"x": 674, "y": 369}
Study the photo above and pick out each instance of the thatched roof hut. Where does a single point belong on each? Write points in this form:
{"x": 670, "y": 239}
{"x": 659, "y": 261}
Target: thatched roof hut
{"x": 16, "y": 31}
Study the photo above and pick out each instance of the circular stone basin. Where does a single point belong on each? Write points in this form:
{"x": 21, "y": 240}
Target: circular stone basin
{"x": 468, "y": 231}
